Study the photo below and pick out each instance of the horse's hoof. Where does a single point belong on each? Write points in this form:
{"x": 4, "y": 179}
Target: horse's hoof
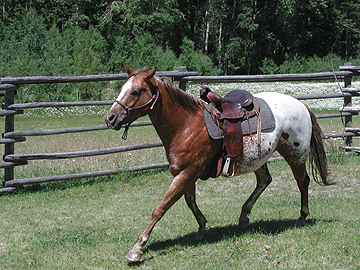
{"x": 244, "y": 221}
{"x": 300, "y": 222}
{"x": 134, "y": 256}
{"x": 202, "y": 235}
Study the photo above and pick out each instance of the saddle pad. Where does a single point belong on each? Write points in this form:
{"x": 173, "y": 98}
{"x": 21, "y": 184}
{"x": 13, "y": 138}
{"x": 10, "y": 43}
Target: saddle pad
{"x": 214, "y": 130}
{"x": 267, "y": 119}
{"x": 266, "y": 115}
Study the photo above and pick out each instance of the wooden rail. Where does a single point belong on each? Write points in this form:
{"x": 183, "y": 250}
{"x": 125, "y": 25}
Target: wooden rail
{"x": 9, "y": 85}
{"x": 269, "y": 78}
{"x": 87, "y": 78}
{"x": 12, "y": 184}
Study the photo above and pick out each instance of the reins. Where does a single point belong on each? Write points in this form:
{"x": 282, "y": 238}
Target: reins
{"x": 151, "y": 102}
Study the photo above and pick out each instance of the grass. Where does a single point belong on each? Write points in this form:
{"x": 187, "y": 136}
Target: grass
{"x": 92, "y": 224}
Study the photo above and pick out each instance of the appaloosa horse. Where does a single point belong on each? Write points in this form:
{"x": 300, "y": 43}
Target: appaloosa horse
{"x": 179, "y": 121}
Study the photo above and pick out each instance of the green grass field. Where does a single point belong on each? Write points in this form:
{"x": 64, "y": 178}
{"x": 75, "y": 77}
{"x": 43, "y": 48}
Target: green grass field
{"x": 92, "y": 223}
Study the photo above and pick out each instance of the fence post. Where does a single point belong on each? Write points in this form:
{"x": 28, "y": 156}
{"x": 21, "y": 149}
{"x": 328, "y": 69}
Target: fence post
{"x": 182, "y": 84}
{"x": 347, "y": 103}
{"x": 9, "y": 126}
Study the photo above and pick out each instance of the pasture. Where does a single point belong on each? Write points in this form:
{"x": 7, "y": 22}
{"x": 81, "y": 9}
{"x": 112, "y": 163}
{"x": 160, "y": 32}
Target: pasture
{"x": 92, "y": 223}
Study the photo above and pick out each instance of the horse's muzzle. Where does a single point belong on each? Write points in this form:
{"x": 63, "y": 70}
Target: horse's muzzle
{"x": 114, "y": 121}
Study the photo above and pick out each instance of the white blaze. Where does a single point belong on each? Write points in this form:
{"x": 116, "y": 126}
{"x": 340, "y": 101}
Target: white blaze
{"x": 127, "y": 86}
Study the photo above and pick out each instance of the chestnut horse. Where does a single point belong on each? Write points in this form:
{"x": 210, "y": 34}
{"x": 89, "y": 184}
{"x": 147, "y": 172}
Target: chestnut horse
{"x": 179, "y": 121}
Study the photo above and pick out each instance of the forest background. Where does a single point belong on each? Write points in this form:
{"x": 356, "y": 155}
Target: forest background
{"x": 213, "y": 37}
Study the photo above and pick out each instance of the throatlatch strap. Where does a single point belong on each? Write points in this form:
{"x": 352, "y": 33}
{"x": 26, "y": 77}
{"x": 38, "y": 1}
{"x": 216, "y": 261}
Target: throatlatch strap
{"x": 124, "y": 136}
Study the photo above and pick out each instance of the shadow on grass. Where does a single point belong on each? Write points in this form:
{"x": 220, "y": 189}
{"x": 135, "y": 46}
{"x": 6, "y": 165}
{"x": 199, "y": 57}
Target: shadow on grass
{"x": 217, "y": 234}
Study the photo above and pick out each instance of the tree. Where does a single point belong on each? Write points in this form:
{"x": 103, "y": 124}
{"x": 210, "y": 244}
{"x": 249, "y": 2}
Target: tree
{"x": 195, "y": 60}
{"x": 348, "y": 24}
{"x": 237, "y": 36}
{"x": 89, "y": 56}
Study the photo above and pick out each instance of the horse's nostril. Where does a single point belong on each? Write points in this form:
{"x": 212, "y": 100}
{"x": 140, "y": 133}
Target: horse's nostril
{"x": 111, "y": 117}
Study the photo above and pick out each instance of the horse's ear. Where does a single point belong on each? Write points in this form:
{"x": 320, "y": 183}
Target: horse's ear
{"x": 129, "y": 70}
{"x": 151, "y": 73}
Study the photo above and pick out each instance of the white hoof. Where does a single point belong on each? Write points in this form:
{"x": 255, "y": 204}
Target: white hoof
{"x": 134, "y": 256}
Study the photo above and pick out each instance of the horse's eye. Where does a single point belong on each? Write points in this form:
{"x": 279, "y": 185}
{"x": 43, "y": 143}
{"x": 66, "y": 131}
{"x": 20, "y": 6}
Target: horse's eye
{"x": 136, "y": 93}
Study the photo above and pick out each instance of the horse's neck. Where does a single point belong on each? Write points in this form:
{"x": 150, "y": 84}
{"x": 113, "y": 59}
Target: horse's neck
{"x": 169, "y": 120}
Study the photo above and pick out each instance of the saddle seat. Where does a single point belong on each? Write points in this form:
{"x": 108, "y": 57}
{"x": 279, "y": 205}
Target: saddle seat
{"x": 234, "y": 105}
{"x": 237, "y": 106}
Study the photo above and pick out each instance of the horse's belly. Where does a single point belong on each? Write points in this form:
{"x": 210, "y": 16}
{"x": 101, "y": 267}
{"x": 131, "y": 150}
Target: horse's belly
{"x": 255, "y": 152}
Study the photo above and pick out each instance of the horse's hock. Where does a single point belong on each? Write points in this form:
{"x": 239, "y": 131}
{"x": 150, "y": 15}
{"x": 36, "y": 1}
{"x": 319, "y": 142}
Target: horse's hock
{"x": 11, "y": 137}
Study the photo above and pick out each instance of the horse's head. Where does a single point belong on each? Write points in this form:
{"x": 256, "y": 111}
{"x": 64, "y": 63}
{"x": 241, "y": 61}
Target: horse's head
{"x": 137, "y": 96}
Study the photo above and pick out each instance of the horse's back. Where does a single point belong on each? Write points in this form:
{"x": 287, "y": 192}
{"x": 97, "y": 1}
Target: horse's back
{"x": 290, "y": 136}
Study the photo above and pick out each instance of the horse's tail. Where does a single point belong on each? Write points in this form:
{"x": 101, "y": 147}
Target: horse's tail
{"x": 318, "y": 162}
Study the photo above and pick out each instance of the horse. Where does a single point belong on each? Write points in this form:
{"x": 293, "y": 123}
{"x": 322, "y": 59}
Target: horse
{"x": 179, "y": 121}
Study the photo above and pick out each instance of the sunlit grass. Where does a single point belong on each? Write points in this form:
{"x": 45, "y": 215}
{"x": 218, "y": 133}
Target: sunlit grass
{"x": 93, "y": 224}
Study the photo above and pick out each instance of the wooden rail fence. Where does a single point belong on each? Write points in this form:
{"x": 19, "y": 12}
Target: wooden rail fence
{"x": 10, "y": 137}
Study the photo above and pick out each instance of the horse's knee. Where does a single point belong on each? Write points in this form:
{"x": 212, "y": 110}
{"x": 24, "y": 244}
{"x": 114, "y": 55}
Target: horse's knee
{"x": 157, "y": 214}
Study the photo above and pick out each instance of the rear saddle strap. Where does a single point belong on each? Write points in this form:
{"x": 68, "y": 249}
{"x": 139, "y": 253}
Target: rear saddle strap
{"x": 236, "y": 107}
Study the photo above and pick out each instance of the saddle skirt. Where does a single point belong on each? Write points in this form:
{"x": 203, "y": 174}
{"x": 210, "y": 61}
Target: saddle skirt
{"x": 217, "y": 133}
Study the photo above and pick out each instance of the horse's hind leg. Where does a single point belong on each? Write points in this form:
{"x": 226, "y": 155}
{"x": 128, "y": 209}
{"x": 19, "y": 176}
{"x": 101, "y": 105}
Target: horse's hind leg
{"x": 263, "y": 179}
{"x": 191, "y": 202}
{"x": 303, "y": 180}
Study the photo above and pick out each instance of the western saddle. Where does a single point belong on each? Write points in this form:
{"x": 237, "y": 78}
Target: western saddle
{"x": 237, "y": 106}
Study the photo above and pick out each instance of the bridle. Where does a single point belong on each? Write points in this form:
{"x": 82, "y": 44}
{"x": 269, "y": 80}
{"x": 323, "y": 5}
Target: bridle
{"x": 151, "y": 102}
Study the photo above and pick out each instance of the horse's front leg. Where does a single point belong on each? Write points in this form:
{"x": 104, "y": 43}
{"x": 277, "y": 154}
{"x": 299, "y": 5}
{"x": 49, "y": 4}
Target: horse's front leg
{"x": 191, "y": 202}
{"x": 176, "y": 190}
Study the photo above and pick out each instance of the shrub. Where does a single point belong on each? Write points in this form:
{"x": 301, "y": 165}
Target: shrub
{"x": 196, "y": 60}
{"x": 269, "y": 66}
{"x": 139, "y": 52}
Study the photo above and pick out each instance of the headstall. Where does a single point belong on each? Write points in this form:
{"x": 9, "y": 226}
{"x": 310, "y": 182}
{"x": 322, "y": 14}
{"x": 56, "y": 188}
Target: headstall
{"x": 151, "y": 102}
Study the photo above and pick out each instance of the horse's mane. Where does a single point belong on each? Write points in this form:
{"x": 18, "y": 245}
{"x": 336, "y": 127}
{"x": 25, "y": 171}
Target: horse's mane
{"x": 185, "y": 100}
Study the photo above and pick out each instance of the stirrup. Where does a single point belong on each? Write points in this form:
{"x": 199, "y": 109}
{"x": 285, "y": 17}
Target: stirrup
{"x": 229, "y": 167}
